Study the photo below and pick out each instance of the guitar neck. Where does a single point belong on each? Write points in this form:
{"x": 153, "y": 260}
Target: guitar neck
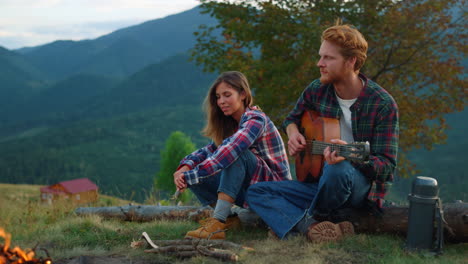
{"x": 319, "y": 146}
{"x": 357, "y": 151}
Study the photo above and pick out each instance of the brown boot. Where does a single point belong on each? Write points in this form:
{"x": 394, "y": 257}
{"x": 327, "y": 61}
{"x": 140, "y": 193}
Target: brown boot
{"x": 347, "y": 228}
{"x": 211, "y": 228}
{"x": 329, "y": 232}
{"x": 232, "y": 222}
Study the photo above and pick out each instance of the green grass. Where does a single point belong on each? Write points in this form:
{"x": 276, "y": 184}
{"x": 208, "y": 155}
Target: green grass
{"x": 65, "y": 235}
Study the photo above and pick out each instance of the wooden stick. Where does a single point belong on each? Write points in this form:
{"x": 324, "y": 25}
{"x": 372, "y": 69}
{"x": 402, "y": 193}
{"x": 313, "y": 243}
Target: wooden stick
{"x": 219, "y": 254}
{"x": 149, "y": 241}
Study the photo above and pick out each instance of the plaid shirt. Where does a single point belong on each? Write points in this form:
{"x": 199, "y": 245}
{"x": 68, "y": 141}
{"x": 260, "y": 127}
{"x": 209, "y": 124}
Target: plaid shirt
{"x": 374, "y": 118}
{"x": 256, "y": 133}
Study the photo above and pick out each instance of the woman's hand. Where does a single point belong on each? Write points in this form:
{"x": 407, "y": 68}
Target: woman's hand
{"x": 331, "y": 157}
{"x": 179, "y": 178}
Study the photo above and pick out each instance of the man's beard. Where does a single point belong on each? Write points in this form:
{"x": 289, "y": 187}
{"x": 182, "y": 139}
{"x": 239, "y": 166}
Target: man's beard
{"x": 327, "y": 79}
{"x": 333, "y": 77}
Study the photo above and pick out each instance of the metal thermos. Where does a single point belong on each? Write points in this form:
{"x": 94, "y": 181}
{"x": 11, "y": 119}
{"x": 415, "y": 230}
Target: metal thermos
{"x": 424, "y": 216}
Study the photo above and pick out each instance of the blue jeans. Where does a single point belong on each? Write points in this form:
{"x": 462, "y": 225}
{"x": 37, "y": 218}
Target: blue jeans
{"x": 233, "y": 181}
{"x": 283, "y": 204}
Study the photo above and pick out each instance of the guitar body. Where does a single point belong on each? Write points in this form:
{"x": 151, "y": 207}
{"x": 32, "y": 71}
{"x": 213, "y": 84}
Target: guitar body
{"x": 314, "y": 128}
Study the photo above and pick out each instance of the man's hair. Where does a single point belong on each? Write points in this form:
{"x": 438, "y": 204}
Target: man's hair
{"x": 351, "y": 42}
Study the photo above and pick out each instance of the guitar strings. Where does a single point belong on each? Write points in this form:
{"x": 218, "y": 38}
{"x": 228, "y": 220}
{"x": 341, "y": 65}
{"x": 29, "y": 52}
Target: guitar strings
{"x": 318, "y": 146}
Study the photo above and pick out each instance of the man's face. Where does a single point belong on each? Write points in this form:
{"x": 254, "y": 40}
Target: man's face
{"x": 333, "y": 66}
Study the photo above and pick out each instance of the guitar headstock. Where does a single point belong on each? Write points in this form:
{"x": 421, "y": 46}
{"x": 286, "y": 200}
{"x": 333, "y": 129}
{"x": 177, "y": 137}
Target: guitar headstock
{"x": 356, "y": 151}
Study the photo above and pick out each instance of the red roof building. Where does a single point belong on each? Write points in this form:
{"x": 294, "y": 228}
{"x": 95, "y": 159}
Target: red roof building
{"x": 77, "y": 191}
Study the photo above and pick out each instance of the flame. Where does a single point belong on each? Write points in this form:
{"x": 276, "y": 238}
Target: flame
{"x": 15, "y": 255}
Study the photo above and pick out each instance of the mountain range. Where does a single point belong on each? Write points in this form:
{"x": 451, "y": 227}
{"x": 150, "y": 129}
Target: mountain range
{"x": 103, "y": 108}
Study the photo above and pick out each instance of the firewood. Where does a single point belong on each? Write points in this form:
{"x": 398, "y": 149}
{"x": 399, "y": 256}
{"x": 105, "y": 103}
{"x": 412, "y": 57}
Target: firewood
{"x": 218, "y": 253}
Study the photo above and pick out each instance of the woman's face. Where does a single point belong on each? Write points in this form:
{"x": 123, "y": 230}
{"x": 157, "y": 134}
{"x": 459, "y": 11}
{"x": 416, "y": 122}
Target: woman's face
{"x": 230, "y": 101}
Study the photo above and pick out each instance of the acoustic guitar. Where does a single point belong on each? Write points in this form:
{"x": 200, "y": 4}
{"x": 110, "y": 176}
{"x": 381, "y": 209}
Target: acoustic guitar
{"x": 318, "y": 132}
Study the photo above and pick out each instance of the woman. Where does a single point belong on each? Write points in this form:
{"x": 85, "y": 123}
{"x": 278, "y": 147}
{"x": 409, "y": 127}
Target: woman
{"x": 246, "y": 148}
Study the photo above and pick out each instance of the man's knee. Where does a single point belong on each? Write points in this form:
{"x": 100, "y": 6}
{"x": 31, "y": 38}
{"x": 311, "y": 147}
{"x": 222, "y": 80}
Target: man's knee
{"x": 336, "y": 173}
{"x": 258, "y": 188}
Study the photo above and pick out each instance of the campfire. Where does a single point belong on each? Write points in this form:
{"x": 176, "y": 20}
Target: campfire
{"x": 17, "y": 255}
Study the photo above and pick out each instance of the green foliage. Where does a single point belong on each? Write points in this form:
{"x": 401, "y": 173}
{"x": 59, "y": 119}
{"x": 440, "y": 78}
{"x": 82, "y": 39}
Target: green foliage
{"x": 275, "y": 43}
{"x": 177, "y": 146}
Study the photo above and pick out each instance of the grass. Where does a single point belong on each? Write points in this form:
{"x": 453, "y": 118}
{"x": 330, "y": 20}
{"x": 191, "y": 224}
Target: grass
{"x": 65, "y": 235}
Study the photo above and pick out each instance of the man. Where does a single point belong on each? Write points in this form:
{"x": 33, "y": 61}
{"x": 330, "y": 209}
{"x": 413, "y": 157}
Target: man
{"x": 366, "y": 112}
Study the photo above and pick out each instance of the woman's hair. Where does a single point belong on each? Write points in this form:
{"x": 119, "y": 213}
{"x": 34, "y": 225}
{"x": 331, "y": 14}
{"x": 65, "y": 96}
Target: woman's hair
{"x": 351, "y": 42}
{"x": 218, "y": 125}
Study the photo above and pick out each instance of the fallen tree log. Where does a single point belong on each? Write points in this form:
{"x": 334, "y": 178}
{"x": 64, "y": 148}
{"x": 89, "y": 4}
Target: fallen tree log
{"x": 394, "y": 220}
{"x": 146, "y": 213}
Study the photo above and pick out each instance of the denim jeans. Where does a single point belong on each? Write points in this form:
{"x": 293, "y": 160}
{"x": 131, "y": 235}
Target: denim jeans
{"x": 283, "y": 204}
{"x": 233, "y": 181}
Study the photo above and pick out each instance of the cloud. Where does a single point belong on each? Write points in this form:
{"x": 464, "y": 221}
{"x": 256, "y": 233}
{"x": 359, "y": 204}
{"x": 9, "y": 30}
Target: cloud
{"x": 34, "y": 22}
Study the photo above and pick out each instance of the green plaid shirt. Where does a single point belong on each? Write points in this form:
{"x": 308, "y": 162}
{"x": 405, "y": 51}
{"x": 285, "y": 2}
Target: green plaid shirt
{"x": 374, "y": 118}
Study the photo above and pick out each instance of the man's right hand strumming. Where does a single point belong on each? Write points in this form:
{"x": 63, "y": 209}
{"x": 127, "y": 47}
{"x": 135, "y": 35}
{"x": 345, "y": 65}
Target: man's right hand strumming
{"x": 297, "y": 141}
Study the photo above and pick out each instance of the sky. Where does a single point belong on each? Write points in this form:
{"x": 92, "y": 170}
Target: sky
{"x": 26, "y": 23}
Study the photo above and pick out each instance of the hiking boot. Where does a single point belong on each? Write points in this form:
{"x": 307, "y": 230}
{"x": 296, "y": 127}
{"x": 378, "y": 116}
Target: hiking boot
{"x": 329, "y": 232}
{"x": 211, "y": 228}
{"x": 347, "y": 228}
{"x": 232, "y": 222}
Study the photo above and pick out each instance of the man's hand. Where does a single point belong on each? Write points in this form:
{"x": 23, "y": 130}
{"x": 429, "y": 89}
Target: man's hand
{"x": 297, "y": 141}
{"x": 179, "y": 178}
{"x": 331, "y": 157}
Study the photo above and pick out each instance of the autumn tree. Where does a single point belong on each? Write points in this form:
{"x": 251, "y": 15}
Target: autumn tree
{"x": 177, "y": 146}
{"x": 416, "y": 52}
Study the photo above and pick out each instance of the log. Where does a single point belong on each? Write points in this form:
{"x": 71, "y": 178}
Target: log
{"x": 146, "y": 213}
{"x": 394, "y": 220}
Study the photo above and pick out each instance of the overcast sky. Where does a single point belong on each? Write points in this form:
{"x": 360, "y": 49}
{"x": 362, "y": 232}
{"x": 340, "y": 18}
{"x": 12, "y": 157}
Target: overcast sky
{"x": 26, "y": 23}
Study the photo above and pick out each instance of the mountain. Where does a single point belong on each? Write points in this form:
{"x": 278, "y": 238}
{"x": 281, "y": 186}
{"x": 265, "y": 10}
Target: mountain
{"x": 122, "y": 52}
{"x": 109, "y": 130}
{"x": 19, "y": 80}
{"x": 175, "y": 81}
{"x": 58, "y": 101}
{"x": 101, "y": 108}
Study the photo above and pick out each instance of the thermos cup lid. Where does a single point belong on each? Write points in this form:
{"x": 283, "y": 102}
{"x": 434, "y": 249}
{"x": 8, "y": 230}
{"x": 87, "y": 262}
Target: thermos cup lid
{"x": 425, "y": 187}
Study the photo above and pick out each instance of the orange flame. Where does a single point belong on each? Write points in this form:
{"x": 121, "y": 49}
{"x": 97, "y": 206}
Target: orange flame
{"x": 13, "y": 254}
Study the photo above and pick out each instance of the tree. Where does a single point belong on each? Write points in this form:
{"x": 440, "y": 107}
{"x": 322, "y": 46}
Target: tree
{"x": 177, "y": 146}
{"x": 416, "y": 52}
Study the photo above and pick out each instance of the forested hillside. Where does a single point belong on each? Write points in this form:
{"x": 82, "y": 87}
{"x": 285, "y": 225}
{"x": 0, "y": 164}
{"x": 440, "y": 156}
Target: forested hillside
{"x": 120, "y": 154}
{"x": 87, "y": 127}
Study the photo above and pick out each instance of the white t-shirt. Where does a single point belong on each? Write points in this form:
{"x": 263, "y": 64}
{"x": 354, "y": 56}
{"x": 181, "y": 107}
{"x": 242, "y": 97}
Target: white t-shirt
{"x": 346, "y": 128}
